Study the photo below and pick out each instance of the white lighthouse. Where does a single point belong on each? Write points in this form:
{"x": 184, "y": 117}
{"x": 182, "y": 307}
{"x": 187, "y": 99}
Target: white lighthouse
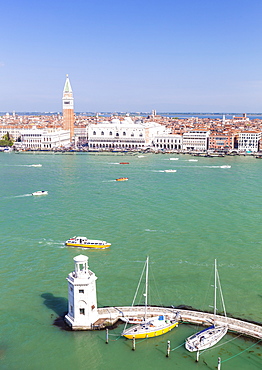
{"x": 82, "y": 302}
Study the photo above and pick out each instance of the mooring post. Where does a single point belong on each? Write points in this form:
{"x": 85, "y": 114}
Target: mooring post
{"x": 134, "y": 344}
{"x": 197, "y": 358}
{"x": 168, "y": 349}
{"x": 218, "y": 363}
{"x": 106, "y": 336}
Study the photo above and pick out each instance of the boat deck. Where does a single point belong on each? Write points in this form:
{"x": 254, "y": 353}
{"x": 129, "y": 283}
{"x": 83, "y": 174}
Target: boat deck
{"x": 112, "y": 314}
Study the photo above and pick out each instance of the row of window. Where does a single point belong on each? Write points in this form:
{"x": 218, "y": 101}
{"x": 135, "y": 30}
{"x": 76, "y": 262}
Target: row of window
{"x": 112, "y": 146}
{"x": 39, "y": 136}
{"x": 167, "y": 140}
{"x": 117, "y": 134}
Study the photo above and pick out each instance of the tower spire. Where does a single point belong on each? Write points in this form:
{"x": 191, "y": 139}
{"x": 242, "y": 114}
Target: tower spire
{"x": 67, "y": 87}
{"x": 68, "y": 108}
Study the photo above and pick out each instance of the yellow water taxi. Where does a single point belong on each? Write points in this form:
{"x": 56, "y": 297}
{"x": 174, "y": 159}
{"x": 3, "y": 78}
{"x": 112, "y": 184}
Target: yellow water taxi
{"x": 83, "y": 242}
{"x": 122, "y": 179}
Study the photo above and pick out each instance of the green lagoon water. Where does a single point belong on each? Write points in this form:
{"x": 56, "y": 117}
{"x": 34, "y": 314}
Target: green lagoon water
{"x": 182, "y": 220}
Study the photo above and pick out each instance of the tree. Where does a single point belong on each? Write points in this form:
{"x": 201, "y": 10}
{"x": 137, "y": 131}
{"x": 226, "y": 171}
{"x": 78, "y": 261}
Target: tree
{"x": 6, "y": 140}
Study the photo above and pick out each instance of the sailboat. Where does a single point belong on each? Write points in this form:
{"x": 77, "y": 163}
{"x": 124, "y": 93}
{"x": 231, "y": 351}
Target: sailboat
{"x": 213, "y": 334}
{"x": 148, "y": 327}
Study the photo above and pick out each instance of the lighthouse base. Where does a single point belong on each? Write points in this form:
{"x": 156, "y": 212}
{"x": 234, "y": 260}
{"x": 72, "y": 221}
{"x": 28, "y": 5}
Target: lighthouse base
{"x": 77, "y": 325}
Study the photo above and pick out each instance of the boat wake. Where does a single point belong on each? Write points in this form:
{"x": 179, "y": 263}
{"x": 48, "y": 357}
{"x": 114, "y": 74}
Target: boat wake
{"x": 225, "y": 166}
{"x": 163, "y": 170}
{"x": 18, "y": 196}
{"x": 25, "y": 165}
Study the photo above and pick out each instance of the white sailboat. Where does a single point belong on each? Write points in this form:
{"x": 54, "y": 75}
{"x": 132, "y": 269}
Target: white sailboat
{"x": 148, "y": 327}
{"x": 208, "y": 337}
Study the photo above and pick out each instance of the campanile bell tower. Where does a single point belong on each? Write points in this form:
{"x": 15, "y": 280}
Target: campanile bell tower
{"x": 68, "y": 108}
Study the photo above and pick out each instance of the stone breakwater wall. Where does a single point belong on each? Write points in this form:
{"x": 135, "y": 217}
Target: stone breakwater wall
{"x": 110, "y": 315}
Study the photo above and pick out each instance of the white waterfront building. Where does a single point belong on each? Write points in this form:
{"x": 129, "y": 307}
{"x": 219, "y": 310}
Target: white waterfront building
{"x": 168, "y": 142}
{"x": 82, "y": 300}
{"x": 44, "y": 138}
{"x": 14, "y": 133}
{"x": 124, "y": 135}
{"x": 196, "y": 140}
{"x": 248, "y": 141}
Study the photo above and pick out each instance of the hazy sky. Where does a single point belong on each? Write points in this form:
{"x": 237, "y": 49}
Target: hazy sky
{"x": 131, "y": 56}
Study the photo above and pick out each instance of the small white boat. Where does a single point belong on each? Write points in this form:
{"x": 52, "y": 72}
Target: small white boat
{"x": 36, "y": 165}
{"x": 213, "y": 334}
{"x": 83, "y": 242}
{"x": 170, "y": 170}
{"x": 40, "y": 192}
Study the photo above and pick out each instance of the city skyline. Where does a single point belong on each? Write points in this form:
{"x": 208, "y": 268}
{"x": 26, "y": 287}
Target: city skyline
{"x": 132, "y": 57}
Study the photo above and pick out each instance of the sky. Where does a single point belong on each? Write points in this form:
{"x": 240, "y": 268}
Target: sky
{"x": 132, "y": 56}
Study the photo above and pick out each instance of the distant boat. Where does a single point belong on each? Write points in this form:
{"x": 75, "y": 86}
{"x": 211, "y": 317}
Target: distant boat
{"x": 40, "y": 192}
{"x": 36, "y": 165}
{"x": 122, "y": 179}
{"x": 170, "y": 170}
{"x": 8, "y": 150}
{"x": 124, "y": 163}
{"x": 148, "y": 327}
{"x": 83, "y": 242}
{"x": 213, "y": 334}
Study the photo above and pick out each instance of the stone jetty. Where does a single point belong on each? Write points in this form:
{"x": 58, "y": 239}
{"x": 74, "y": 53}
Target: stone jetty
{"x": 110, "y": 315}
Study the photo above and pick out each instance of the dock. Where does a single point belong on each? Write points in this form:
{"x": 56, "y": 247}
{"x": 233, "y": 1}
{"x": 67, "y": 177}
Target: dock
{"x": 110, "y": 315}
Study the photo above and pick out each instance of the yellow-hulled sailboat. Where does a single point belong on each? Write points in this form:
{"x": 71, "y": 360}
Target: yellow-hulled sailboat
{"x": 149, "y": 327}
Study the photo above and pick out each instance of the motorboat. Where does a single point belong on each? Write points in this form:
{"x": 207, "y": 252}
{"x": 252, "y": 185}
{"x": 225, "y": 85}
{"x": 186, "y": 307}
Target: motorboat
{"x": 40, "y": 192}
{"x": 170, "y": 170}
{"x": 83, "y": 242}
{"x": 148, "y": 327}
{"x": 124, "y": 163}
{"x": 36, "y": 165}
{"x": 122, "y": 179}
{"x": 208, "y": 337}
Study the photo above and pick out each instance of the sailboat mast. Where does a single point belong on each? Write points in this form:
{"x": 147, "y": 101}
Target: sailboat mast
{"x": 146, "y": 292}
{"x": 215, "y": 294}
